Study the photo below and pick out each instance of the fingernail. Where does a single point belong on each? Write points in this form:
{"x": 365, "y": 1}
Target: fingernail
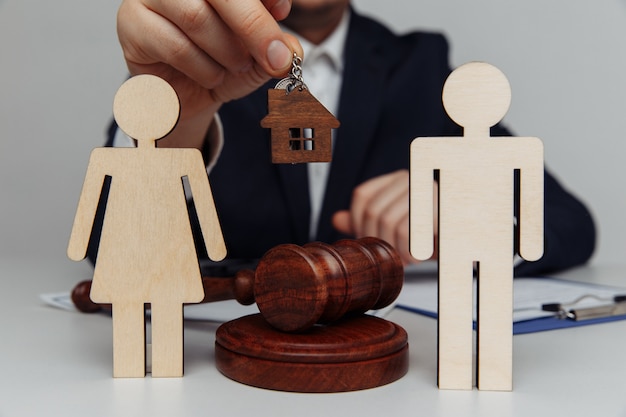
{"x": 278, "y": 55}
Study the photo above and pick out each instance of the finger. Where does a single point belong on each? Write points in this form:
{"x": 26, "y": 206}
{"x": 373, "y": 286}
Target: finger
{"x": 378, "y": 196}
{"x": 361, "y": 198}
{"x": 342, "y": 221}
{"x": 148, "y": 38}
{"x": 257, "y": 28}
{"x": 197, "y": 20}
{"x": 392, "y": 218}
{"x": 278, "y": 8}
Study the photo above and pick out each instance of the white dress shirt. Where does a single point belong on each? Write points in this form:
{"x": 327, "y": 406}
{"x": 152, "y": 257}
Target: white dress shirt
{"x": 322, "y": 72}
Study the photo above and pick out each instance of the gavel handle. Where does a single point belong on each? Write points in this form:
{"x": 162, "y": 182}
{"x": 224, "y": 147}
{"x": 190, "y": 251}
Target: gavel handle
{"x": 240, "y": 288}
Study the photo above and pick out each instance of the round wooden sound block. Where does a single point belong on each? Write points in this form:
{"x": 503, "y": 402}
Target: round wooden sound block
{"x": 352, "y": 354}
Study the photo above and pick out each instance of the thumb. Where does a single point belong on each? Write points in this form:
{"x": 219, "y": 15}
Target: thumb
{"x": 342, "y": 221}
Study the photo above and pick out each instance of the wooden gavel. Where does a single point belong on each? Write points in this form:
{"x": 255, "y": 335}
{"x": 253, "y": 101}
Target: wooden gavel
{"x": 296, "y": 287}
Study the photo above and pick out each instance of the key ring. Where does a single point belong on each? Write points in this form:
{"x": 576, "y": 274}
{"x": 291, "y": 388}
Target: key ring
{"x": 295, "y": 79}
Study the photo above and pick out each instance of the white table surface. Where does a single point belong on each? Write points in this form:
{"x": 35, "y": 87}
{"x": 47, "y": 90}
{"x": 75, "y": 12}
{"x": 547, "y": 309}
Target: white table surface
{"x": 59, "y": 363}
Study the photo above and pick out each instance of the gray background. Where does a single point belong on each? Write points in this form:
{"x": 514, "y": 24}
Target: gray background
{"x": 61, "y": 64}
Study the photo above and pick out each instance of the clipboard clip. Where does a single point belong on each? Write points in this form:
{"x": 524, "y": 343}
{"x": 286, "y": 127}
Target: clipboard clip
{"x": 614, "y": 307}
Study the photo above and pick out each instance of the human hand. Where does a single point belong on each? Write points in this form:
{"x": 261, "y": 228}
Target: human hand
{"x": 210, "y": 51}
{"x": 380, "y": 208}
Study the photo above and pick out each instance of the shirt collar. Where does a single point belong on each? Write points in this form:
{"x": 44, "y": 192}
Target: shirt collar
{"x": 333, "y": 46}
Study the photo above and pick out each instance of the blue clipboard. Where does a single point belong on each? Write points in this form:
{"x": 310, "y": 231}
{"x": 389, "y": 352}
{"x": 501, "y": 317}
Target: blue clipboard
{"x": 530, "y": 295}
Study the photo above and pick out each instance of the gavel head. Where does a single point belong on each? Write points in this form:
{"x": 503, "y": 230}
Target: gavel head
{"x": 80, "y": 298}
{"x": 298, "y": 286}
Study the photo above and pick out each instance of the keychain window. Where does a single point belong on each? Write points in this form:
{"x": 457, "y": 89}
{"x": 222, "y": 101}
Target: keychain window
{"x": 301, "y": 139}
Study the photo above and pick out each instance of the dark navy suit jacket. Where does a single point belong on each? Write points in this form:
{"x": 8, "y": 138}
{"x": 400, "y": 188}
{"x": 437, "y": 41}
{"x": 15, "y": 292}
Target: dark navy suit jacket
{"x": 391, "y": 94}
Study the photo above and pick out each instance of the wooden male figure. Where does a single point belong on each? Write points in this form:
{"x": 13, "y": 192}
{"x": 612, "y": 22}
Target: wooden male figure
{"x": 475, "y": 224}
{"x": 146, "y": 252}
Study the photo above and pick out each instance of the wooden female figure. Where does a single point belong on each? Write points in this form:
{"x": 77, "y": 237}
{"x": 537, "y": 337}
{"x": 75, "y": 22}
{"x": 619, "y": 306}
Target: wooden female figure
{"x": 146, "y": 252}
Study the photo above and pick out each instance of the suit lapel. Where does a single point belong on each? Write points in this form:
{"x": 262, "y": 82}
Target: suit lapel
{"x": 359, "y": 109}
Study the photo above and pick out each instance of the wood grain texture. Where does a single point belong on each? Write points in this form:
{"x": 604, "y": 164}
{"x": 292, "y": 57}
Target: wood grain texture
{"x": 146, "y": 252}
{"x": 324, "y": 282}
{"x": 476, "y": 224}
{"x": 352, "y": 354}
{"x": 296, "y": 287}
{"x": 301, "y": 127}
{"x": 240, "y": 288}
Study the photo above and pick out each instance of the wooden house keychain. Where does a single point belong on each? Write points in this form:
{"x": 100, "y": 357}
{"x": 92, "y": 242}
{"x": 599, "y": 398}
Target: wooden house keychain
{"x": 300, "y": 125}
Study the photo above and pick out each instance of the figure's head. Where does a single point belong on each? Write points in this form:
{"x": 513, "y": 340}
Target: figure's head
{"x": 476, "y": 96}
{"x": 146, "y": 108}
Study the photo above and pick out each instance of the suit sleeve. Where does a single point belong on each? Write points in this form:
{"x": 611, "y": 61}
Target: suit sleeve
{"x": 569, "y": 232}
